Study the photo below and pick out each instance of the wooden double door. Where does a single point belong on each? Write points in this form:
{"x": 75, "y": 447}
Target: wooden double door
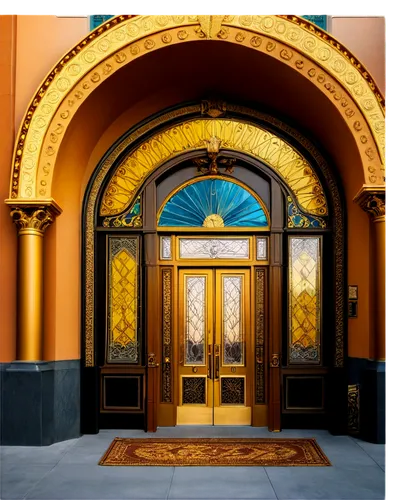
{"x": 216, "y": 352}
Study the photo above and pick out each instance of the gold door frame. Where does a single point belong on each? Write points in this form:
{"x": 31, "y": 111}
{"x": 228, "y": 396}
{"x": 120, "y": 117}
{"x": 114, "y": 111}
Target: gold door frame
{"x": 256, "y": 383}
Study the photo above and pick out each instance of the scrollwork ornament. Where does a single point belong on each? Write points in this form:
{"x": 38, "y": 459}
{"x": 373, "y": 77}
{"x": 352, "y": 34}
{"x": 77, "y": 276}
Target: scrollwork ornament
{"x": 38, "y": 218}
{"x": 275, "y": 361}
{"x": 270, "y": 46}
{"x": 166, "y": 38}
{"x": 223, "y": 33}
{"x": 149, "y": 44}
{"x": 256, "y": 41}
{"x": 240, "y": 37}
{"x": 182, "y": 34}
{"x": 373, "y": 202}
{"x": 286, "y": 54}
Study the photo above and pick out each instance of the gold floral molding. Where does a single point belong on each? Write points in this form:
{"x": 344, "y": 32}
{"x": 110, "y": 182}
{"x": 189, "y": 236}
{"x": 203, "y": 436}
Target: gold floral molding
{"x": 229, "y": 134}
{"x": 123, "y": 38}
{"x": 372, "y": 201}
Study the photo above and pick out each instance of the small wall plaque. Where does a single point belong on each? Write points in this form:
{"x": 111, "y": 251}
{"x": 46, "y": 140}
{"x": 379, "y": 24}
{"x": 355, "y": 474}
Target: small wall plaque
{"x": 353, "y": 292}
{"x": 353, "y": 306}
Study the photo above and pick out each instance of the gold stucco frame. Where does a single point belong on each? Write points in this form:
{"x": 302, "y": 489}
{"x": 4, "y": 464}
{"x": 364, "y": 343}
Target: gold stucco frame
{"x": 290, "y": 39}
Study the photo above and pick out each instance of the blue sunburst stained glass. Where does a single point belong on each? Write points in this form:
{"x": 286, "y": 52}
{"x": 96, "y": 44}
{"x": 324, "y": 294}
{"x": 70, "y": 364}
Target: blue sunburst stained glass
{"x": 213, "y": 203}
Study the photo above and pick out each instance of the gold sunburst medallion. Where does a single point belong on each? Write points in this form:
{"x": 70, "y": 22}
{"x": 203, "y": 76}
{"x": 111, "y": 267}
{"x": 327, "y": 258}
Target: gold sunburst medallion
{"x": 213, "y": 220}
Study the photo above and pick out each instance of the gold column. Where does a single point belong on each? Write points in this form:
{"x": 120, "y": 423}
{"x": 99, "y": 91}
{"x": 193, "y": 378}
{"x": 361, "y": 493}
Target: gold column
{"x": 31, "y": 221}
{"x": 372, "y": 200}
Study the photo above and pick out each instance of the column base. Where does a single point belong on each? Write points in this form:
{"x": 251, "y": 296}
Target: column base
{"x": 370, "y": 376}
{"x": 40, "y": 402}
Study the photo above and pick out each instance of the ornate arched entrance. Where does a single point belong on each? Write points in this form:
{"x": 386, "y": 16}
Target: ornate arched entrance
{"x": 56, "y": 153}
{"x": 212, "y": 235}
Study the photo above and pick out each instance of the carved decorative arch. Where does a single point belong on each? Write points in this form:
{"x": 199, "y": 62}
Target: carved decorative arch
{"x": 234, "y": 134}
{"x": 132, "y": 142}
{"x": 290, "y": 39}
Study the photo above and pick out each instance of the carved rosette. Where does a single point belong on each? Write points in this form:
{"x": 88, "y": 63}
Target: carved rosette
{"x": 38, "y": 218}
{"x": 373, "y": 202}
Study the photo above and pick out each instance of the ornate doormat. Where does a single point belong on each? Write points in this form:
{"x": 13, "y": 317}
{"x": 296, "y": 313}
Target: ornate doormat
{"x": 215, "y": 452}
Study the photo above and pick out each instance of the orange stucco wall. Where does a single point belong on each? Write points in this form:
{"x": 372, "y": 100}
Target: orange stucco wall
{"x": 41, "y": 42}
{"x": 365, "y": 37}
{"x": 102, "y": 121}
{"x": 8, "y": 241}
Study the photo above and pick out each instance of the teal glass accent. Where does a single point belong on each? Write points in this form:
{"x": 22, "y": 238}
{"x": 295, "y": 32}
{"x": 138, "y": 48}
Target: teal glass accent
{"x": 195, "y": 202}
{"x": 321, "y": 21}
{"x": 296, "y": 218}
{"x": 135, "y": 210}
{"x": 98, "y": 19}
{"x": 133, "y": 218}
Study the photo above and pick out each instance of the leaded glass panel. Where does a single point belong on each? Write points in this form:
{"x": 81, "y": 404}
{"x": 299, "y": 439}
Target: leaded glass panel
{"x": 262, "y": 248}
{"x": 122, "y": 342}
{"x": 166, "y": 249}
{"x": 213, "y": 203}
{"x": 304, "y": 299}
{"x": 195, "y": 320}
{"x": 232, "y": 320}
{"x": 214, "y": 248}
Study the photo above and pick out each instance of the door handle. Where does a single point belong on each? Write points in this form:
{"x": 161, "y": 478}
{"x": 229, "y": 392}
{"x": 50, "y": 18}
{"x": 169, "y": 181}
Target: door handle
{"x": 210, "y": 362}
{"x": 151, "y": 360}
{"x": 216, "y": 356}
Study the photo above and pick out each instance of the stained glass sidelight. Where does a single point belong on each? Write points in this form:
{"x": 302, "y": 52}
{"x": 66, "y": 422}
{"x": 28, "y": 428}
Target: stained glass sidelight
{"x": 213, "y": 203}
{"x": 304, "y": 299}
{"x": 195, "y": 320}
{"x": 214, "y": 248}
{"x": 232, "y": 320}
{"x": 122, "y": 345}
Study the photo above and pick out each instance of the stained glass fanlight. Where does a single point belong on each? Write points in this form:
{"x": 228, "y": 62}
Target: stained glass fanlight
{"x": 213, "y": 203}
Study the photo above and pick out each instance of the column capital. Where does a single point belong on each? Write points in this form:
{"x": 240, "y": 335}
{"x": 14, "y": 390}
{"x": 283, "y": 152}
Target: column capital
{"x": 35, "y": 217}
{"x": 372, "y": 199}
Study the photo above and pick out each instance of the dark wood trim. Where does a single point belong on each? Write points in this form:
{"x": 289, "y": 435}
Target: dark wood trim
{"x": 152, "y": 327}
{"x": 275, "y": 330}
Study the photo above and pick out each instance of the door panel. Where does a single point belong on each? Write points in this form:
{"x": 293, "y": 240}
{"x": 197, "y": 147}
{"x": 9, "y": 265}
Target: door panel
{"x": 214, "y": 335}
{"x": 232, "y": 398}
{"x": 195, "y": 330}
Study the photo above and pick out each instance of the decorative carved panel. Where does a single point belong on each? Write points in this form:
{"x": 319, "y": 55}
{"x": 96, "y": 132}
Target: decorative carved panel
{"x": 166, "y": 391}
{"x": 260, "y": 336}
{"x": 194, "y": 390}
{"x": 354, "y": 409}
{"x": 233, "y": 390}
